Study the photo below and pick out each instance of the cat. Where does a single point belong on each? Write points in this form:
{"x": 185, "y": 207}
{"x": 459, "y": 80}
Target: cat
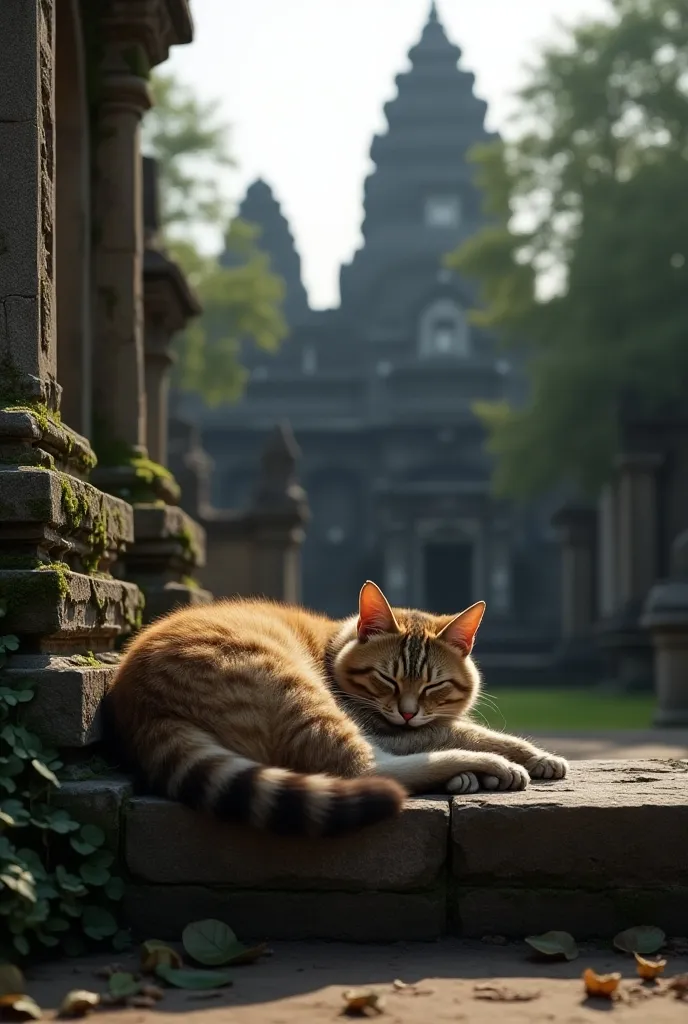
{"x": 276, "y": 717}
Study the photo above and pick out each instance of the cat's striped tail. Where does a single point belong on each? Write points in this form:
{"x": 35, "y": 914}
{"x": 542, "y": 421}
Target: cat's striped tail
{"x": 196, "y": 771}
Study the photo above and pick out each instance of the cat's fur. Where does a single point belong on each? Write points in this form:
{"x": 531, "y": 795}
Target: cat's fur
{"x": 277, "y": 717}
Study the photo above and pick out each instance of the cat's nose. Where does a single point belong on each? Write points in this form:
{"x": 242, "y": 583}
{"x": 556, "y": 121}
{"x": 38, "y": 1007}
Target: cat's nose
{"x": 408, "y": 715}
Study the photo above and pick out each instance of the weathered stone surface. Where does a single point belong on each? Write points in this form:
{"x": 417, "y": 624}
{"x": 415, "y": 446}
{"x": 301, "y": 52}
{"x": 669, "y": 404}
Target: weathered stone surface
{"x": 64, "y": 710}
{"x": 168, "y": 528}
{"x": 608, "y": 824}
{"x": 516, "y": 913}
{"x": 405, "y": 853}
{"x": 164, "y": 911}
{"x": 58, "y": 607}
{"x": 97, "y": 802}
{"x": 165, "y": 599}
{"x": 54, "y": 516}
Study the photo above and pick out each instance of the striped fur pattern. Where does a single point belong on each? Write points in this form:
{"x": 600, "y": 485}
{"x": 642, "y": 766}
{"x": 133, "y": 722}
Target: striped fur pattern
{"x": 275, "y": 717}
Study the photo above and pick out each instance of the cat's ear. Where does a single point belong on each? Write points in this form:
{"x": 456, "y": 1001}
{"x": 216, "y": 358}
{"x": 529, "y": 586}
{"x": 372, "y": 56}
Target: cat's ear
{"x": 460, "y": 632}
{"x": 374, "y": 613}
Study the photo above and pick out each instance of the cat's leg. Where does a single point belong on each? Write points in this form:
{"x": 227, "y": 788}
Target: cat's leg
{"x": 538, "y": 763}
{"x": 459, "y": 771}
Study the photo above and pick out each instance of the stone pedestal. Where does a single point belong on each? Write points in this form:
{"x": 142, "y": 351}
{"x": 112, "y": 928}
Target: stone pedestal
{"x": 169, "y": 551}
{"x": 257, "y": 552}
{"x": 665, "y": 616}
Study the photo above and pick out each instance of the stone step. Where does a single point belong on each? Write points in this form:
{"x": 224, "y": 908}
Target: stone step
{"x": 592, "y": 854}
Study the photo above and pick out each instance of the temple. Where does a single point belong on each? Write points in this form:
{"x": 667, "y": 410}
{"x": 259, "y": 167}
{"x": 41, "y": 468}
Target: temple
{"x": 380, "y": 391}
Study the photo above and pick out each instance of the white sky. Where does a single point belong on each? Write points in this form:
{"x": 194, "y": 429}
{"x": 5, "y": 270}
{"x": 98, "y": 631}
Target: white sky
{"x": 302, "y": 84}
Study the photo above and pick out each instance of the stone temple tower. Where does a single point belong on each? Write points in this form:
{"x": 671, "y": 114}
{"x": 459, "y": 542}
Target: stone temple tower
{"x": 260, "y": 208}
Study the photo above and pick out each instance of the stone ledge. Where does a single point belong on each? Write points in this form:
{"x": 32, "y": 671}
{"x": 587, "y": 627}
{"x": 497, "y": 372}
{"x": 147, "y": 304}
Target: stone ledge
{"x": 516, "y": 913}
{"x": 165, "y": 910}
{"x": 400, "y": 855}
{"x": 97, "y": 801}
{"x": 67, "y": 696}
{"x": 609, "y": 824}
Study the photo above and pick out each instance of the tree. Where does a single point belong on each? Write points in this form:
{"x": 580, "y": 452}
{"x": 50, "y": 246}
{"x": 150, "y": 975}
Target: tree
{"x": 588, "y": 203}
{"x": 242, "y": 302}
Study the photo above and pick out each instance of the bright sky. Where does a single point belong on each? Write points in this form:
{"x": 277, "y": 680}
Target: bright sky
{"x": 302, "y": 83}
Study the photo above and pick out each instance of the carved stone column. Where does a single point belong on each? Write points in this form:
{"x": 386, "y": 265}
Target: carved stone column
{"x": 137, "y": 35}
{"x": 576, "y": 524}
{"x": 56, "y": 529}
{"x": 620, "y": 635}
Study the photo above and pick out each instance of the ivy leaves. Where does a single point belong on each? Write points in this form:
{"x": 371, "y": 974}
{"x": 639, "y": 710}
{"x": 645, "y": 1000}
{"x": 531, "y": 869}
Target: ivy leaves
{"x": 56, "y": 881}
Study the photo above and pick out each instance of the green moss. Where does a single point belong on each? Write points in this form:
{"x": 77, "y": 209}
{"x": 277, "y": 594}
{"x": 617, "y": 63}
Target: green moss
{"x": 60, "y": 569}
{"x": 86, "y": 659}
{"x": 19, "y": 588}
{"x": 74, "y": 504}
{"x": 188, "y": 541}
{"x": 191, "y": 583}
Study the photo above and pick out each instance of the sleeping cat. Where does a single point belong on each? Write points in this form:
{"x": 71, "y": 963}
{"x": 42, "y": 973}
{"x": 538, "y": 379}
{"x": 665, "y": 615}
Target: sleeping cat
{"x": 280, "y": 718}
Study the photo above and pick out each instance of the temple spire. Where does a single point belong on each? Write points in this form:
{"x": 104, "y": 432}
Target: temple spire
{"x": 433, "y": 16}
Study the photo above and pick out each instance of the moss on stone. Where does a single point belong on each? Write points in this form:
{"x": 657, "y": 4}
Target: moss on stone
{"x": 190, "y": 582}
{"x": 190, "y": 545}
{"x": 46, "y": 580}
{"x": 88, "y": 658}
{"x": 74, "y": 503}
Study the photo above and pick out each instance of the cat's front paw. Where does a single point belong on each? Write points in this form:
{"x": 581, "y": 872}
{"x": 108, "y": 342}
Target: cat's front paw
{"x": 511, "y": 777}
{"x": 547, "y": 766}
{"x": 466, "y": 782}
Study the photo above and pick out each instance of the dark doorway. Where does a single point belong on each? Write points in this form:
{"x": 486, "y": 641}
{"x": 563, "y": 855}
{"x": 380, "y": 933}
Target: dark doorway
{"x": 448, "y": 577}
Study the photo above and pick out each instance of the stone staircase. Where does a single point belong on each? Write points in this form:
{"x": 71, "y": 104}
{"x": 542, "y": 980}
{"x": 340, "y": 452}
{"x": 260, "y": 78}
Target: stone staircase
{"x": 595, "y": 853}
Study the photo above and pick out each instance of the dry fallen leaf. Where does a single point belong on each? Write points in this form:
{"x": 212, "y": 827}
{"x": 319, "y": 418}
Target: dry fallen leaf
{"x": 503, "y": 994}
{"x": 78, "y": 1003}
{"x": 362, "y": 1003}
{"x": 604, "y": 985}
{"x": 648, "y": 970}
{"x": 156, "y": 954}
{"x": 152, "y": 991}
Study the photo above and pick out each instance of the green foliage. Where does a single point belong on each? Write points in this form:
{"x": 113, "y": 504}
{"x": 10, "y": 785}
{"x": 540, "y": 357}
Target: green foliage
{"x": 241, "y": 302}
{"x": 582, "y": 269}
{"x": 56, "y": 884}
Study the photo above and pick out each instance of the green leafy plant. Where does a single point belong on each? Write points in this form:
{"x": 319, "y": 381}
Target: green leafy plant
{"x": 56, "y": 883}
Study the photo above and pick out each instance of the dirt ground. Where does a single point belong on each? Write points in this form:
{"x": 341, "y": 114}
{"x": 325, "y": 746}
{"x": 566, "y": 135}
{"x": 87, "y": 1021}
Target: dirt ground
{"x": 302, "y": 983}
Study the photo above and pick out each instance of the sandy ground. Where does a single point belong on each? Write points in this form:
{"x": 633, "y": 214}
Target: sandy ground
{"x": 302, "y": 983}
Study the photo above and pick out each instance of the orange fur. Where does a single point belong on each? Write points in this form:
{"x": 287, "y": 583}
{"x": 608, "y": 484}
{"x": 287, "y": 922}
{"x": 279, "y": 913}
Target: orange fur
{"x": 277, "y": 717}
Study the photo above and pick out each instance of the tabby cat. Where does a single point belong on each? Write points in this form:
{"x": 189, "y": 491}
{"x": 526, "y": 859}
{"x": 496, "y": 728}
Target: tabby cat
{"x": 274, "y": 716}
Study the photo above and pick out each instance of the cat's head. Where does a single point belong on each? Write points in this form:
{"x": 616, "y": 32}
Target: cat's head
{"x": 408, "y": 667}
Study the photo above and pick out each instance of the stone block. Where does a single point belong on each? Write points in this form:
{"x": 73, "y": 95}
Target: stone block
{"x": 165, "y": 599}
{"x": 64, "y": 710}
{"x": 164, "y": 911}
{"x": 608, "y": 824}
{"x": 171, "y": 527}
{"x": 402, "y": 854}
{"x": 57, "y": 606}
{"x": 97, "y": 802}
{"x": 515, "y": 913}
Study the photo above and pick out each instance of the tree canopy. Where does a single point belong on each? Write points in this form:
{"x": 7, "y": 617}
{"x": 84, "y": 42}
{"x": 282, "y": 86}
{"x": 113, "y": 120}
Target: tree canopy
{"x": 241, "y": 302}
{"x": 582, "y": 268}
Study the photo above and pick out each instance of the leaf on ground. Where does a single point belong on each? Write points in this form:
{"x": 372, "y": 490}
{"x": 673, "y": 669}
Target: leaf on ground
{"x": 362, "y": 1003}
{"x": 122, "y": 984}
{"x": 142, "y": 1002}
{"x": 152, "y": 991}
{"x": 190, "y": 978}
{"x": 78, "y": 1003}
{"x": 156, "y": 954}
{"x": 21, "y": 1008}
{"x": 554, "y": 944}
{"x": 214, "y": 944}
{"x": 648, "y": 970}
{"x": 11, "y": 981}
{"x": 504, "y": 994}
{"x": 604, "y": 985}
{"x": 644, "y": 939}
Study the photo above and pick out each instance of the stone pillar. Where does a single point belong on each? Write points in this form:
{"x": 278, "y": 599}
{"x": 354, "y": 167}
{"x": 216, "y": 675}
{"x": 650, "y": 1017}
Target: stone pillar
{"x": 278, "y": 514}
{"x": 56, "y": 529}
{"x": 169, "y": 304}
{"x": 191, "y": 465}
{"x": 118, "y": 367}
{"x": 576, "y": 524}
{"x": 27, "y": 210}
{"x": 607, "y": 546}
{"x": 638, "y": 525}
{"x": 665, "y": 615}
{"x": 626, "y": 645}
